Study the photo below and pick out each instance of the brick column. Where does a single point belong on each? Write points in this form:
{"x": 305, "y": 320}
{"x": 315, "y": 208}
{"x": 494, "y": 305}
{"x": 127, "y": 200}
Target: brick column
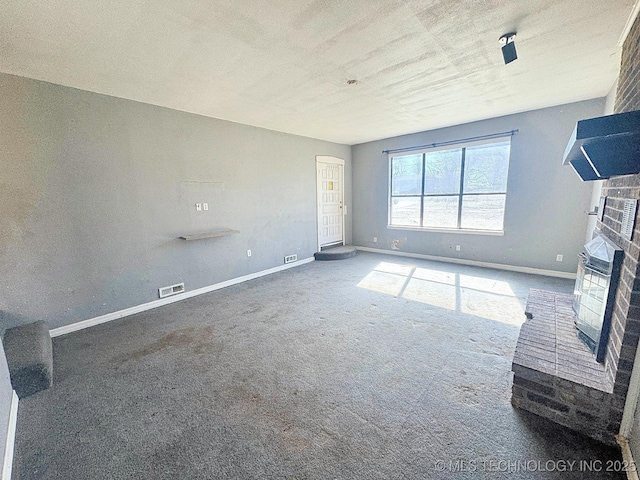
{"x": 625, "y": 323}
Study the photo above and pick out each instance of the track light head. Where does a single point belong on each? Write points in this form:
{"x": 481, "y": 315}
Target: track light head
{"x": 508, "y": 47}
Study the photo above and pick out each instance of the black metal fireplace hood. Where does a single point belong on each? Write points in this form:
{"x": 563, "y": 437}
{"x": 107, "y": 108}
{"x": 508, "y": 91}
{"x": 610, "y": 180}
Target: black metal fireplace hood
{"x": 602, "y": 147}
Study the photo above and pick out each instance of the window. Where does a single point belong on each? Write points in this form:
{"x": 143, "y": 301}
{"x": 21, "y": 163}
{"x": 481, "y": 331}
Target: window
{"x": 463, "y": 188}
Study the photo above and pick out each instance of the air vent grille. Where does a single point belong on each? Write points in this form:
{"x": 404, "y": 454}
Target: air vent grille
{"x": 171, "y": 290}
{"x": 291, "y": 258}
{"x": 629, "y": 218}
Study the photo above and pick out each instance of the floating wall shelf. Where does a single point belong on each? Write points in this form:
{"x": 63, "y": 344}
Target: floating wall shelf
{"x": 210, "y": 234}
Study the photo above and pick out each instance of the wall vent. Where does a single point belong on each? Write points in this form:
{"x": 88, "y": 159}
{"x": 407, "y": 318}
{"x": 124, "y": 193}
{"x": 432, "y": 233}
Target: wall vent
{"x": 291, "y": 258}
{"x": 628, "y": 218}
{"x": 171, "y": 290}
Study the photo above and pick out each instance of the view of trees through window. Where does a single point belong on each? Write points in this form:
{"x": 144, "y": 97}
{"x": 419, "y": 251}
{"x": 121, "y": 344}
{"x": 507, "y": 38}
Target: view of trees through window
{"x": 462, "y": 188}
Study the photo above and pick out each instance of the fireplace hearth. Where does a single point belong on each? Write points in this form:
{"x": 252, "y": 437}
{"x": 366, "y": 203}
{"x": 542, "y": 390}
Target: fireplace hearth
{"x": 556, "y": 376}
{"x": 559, "y": 369}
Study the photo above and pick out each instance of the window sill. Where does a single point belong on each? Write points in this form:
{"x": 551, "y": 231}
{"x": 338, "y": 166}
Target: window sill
{"x": 495, "y": 233}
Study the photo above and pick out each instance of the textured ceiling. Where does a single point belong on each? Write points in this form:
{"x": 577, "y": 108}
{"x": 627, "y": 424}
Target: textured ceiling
{"x": 284, "y": 64}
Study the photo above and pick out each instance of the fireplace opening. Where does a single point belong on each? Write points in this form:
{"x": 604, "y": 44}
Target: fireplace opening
{"x": 594, "y": 294}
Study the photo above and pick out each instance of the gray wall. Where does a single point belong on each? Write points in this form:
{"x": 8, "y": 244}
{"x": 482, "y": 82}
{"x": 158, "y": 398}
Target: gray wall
{"x": 6, "y": 392}
{"x": 95, "y": 191}
{"x": 545, "y": 200}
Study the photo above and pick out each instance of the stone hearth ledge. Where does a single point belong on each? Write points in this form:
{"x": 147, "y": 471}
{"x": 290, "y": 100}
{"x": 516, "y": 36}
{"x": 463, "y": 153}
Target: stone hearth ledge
{"x": 556, "y": 376}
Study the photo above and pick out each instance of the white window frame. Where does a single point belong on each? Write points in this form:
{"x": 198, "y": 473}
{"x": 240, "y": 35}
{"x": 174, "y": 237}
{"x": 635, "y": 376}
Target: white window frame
{"x": 424, "y": 151}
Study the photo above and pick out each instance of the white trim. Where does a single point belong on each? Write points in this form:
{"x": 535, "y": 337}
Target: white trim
{"x": 627, "y": 458}
{"x": 630, "y": 21}
{"x": 11, "y": 437}
{"x": 463, "y": 231}
{"x": 56, "y": 332}
{"x": 474, "y": 263}
{"x": 329, "y": 159}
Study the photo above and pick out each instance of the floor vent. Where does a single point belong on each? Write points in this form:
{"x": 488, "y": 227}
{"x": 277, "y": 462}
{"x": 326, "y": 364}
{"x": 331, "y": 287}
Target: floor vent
{"x": 291, "y": 258}
{"x": 171, "y": 290}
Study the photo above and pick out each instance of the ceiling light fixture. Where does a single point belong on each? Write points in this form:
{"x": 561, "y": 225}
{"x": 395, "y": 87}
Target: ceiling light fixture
{"x": 508, "y": 47}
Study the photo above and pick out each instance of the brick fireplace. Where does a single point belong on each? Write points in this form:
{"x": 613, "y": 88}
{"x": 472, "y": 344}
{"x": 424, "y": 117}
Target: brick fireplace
{"x": 558, "y": 381}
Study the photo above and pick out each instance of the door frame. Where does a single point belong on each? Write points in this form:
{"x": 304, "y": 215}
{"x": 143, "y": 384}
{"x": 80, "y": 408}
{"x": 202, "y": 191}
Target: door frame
{"x": 341, "y": 163}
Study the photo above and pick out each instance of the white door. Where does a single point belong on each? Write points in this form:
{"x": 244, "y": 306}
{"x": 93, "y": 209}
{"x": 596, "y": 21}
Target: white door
{"x": 330, "y": 172}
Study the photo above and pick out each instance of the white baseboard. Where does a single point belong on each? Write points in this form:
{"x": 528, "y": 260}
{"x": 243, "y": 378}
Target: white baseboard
{"x": 462, "y": 261}
{"x": 56, "y": 332}
{"x": 627, "y": 457}
{"x": 11, "y": 438}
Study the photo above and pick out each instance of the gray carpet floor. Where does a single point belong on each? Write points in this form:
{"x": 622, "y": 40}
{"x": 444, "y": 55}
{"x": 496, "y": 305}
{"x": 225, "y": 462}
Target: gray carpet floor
{"x": 371, "y": 367}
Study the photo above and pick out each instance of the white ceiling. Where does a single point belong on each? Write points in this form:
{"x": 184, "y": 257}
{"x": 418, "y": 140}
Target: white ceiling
{"x": 284, "y": 64}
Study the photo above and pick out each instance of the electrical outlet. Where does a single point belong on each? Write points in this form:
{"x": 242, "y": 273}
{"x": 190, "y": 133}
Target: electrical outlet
{"x": 205, "y": 206}
{"x": 198, "y": 207}
{"x": 559, "y": 258}
{"x": 457, "y": 248}
{"x": 375, "y": 239}
{"x": 248, "y": 253}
